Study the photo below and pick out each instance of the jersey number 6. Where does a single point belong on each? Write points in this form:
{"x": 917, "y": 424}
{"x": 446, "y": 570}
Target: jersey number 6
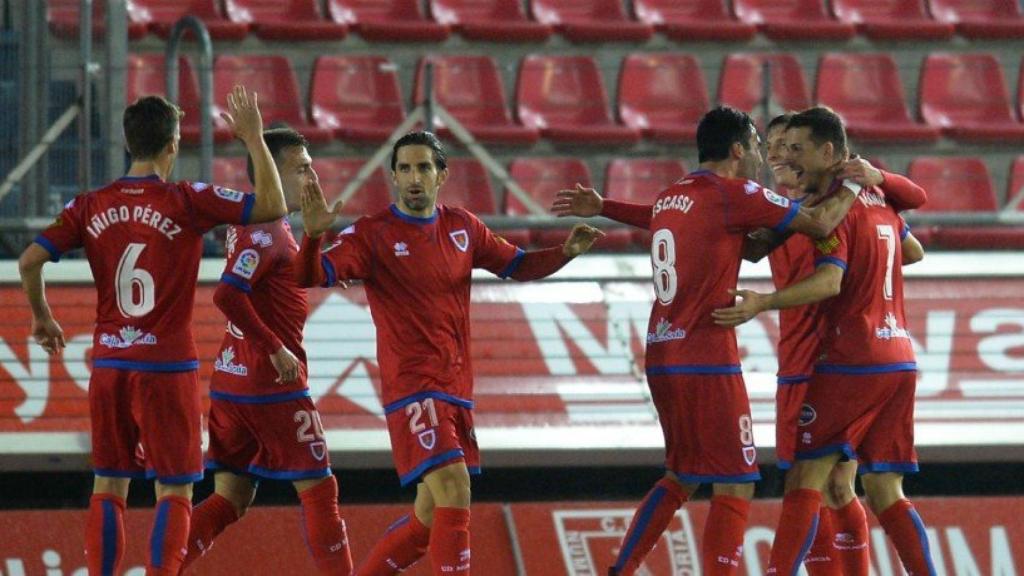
{"x": 134, "y": 286}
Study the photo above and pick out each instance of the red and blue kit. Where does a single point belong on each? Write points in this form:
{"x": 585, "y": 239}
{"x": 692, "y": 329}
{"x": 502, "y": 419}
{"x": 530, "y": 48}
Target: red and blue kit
{"x": 698, "y": 227}
{"x": 143, "y": 240}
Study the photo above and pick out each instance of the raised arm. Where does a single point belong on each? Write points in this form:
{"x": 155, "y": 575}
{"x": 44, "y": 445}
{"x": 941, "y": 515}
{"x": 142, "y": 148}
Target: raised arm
{"x": 902, "y": 192}
{"x": 538, "y": 264}
{"x": 244, "y": 119}
{"x": 586, "y": 203}
{"x": 823, "y": 284}
{"x": 820, "y": 220}
{"x": 45, "y": 329}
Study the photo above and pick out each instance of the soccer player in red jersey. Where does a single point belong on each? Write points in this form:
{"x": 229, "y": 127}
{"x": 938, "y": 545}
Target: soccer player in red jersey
{"x": 860, "y": 400}
{"x": 416, "y": 259}
{"x": 263, "y": 423}
{"x": 692, "y": 365}
{"x": 792, "y": 260}
{"x": 143, "y": 239}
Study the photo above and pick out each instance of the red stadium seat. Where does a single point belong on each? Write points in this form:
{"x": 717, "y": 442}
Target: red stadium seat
{"x": 693, "y": 20}
{"x": 273, "y": 78}
{"x": 564, "y": 98}
{"x": 865, "y": 89}
{"x": 892, "y": 19}
{"x": 387, "y": 20}
{"x": 541, "y": 179}
{"x": 962, "y": 184}
{"x": 965, "y": 95}
{"x": 741, "y": 83}
{"x": 287, "y": 20}
{"x": 161, "y": 15}
{"x": 470, "y": 88}
{"x": 988, "y": 19}
{"x": 231, "y": 173}
{"x": 793, "y": 20}
{"x": 358, "y": 97}
{"x": 1015, "y": 189}
{"x": 145, "y": 75}
{"x": 335, "y": 173}
{"x": 639, "y": 180}
{"x": 468, "y": 186}
{"x": 663, "y": 95}
{"x": 492, "y": 20}
{"x": 63, "y": 18}
{"x": 1020, "y": 90}
{"x": 590, "y": 20}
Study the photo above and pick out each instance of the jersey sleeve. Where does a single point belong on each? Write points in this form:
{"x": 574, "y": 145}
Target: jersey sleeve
{"x": 904, "y": 227}
{"x": 834, "y": 249}
{"x": 65, "y": 233}
{"x": 250, "y": 255}
{"x": 749, "y": 205}
{"x": 213, "y": 205}
{"x": 492, "y": 252}
{"x": 348, "y": 256}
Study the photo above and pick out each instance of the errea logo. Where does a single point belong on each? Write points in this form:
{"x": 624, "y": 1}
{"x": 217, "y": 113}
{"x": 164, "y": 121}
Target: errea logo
{"x": 401, "y": 249}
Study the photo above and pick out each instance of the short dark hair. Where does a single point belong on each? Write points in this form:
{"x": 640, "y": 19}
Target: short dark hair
{"x": 421, "y": 138}
{"x": 149, "y": 125}
{"x": 781, "y": 120}
{"x": 277, "y": 139}
{"x": 719, "y": 129}
{"x": 825, "y": 125}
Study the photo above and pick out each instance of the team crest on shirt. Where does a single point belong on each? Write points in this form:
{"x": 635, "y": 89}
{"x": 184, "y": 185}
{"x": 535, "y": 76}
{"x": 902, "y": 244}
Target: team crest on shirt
{"x": 401, "y": 249}
{"x": 226, "y": 363}
{"x": 127, "y": 337}
{"x": 318, "y": 450}
{"x": 246, "y": 264}
{"x": 262, "y": 239}
{"x": 228, "y": 194}
{"x": 892, "y": 329}
{"x": 828, "y": 245}
{"x": 427, "y": 439}
{"x": 461, "y": 239}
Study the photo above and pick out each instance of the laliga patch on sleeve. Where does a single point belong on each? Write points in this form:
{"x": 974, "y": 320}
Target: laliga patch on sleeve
{"x": 245, "y": 266}
{"x": 776, "y": 199}
{"x": 228, "y": 194}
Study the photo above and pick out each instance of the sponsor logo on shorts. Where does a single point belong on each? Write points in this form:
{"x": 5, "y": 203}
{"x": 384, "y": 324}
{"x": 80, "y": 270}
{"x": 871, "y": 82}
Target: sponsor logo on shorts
{"x": 228, "y": 194}
{"x": 246, "y": 264}
{"x": 461, "y": 239}
{"x": 663, "y": 332}
{"x": 127, "y": 337}
{"x": 427, "y": 439}
{"x": 805, "y": 438}
{"x": 892, "y": 329}
{"x": 807, "y": 415}
{"x": 225, "y": 363}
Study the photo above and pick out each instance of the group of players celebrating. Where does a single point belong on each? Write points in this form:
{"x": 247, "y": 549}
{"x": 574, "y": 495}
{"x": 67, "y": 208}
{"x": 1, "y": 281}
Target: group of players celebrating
{"x": 846, "y": 380}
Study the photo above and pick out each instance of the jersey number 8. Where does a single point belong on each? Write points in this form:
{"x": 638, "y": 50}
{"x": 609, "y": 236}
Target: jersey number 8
{"x": 663, "y": 258}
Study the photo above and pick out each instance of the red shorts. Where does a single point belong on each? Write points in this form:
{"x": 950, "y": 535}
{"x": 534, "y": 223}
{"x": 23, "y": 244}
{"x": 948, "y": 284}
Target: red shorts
{"x": 429, "y": 430}
{"x": 789, "y": 399}
{"x": 708, "y": 432}
{"x": 278, "y": 440}
{"x": 866, "y": 417}
{"x": 146, "y": 425}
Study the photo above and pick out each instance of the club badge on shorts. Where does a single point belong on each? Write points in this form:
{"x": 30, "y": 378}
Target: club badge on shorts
{"x": 319, "y": 450}
{"x": 461, "y": 239}
{"x": 427, "y": 439}
{"x": 749, "y": 455}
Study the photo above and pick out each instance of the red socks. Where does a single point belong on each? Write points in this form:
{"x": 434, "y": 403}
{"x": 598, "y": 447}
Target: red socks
{"x": 850, "y": 545}
{"x": 650, "y": 521}
{"x": 325, "y": 532}
{"x": 209, "y": 518}
{"x": 906, "y": 531}
{"x": 168, "y": 542}
{"x": 723, "y": 535}
{"x": 797, "y": 527}
{"x": 104, "y": 534}
{"x": 822, "y": 560}
{"x": 449, "y": 541}
{"x": 400, "y": 547}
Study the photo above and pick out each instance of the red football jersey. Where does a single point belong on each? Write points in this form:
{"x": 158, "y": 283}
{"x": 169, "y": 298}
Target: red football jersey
{"x": 143, "y": 240}
{"x": 260, "y": 261}
{"x": 698, "y": 226}
{"x": 800, "y": 327}
{"x": 865, "y": 327}
{"x": 417, "y": 273}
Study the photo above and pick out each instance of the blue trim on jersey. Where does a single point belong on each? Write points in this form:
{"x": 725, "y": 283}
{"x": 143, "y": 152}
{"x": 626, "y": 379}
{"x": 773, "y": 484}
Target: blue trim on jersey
{"x": 257, "y": 399}
{"x": 783, "y": 224}
{"x": 109, "y": 539}
{"x": 399, "y": 404}
{"x": 232, "y": 280}
{"x": 788, "y": 380}
{"x": 136, "y": 366}
{"x": 248, "y": 202}
{"x": 55, "y": 254}
{"x": 845, "y": 449}
{"x": 830, "y": 260}
{"x": 156, "y": 539}
{"x": 713, "y": 478}
{"x": 177, "y": 480}
{"x": 429, "y": 463}
{"x": 701, "y": 369}
{"x": 513, "y": 265}
{"x": 702, "y": 172}
{"x": 642, "y": 520}
{"x": 905, "y": 232}
{"x": 413, "y": 219}
{"x": 289, "y": 474}
{"x": 153, "y": 177}
{"x": 108, "y": 473}
{"x": 475, "y": 470}
{"x": 806, "y": 547}
{"x": 332, "y": 276}
{"x": 783, "y": 464}
{"x": 882, "y": 467}
{"x": 869, "y": 369}
{"x": 922, "y": 536}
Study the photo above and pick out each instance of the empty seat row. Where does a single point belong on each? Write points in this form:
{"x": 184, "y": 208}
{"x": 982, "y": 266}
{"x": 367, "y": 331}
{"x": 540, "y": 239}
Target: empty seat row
{"x": 662, "y": 96}
{"x": 577, "y": 20}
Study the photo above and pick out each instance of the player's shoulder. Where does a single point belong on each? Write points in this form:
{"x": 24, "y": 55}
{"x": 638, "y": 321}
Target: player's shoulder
{"x": 456, "y": 214}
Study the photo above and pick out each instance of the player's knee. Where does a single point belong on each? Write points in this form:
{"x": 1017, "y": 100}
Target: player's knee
{"x": 744, "y": 490}
{"x": 883, "y": 490}
{"x": 450, "y": 486}
{"x": 180, "y": 490}
{"x": 840, "y": 491}
{"x": 116, "y": 486}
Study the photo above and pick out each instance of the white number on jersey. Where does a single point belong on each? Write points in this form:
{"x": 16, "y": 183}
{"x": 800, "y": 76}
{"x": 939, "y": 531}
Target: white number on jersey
{"x": 746, "y": 430}
{"x": 663, "y": 258}
{"x": 887, "y": 234}
{"x": 308, "y": 419}
{"x": 133, "y": 286}
{"x": 415, "y": 411}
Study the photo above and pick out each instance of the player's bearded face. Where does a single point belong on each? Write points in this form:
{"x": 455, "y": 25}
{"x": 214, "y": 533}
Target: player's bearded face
{"x": 808, "y": 161}
{"x": 417, "y": 179}
{"x": 750, "y": 164}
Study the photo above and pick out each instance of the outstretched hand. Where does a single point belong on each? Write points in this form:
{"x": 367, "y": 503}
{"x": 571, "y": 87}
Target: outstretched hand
{"x": 243, "y": 115}
{"x": 751, "y": 304}
{"x": 317, "y": 218}
{"x": 580, "y": 201}
{"x": 580, "y": 240}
